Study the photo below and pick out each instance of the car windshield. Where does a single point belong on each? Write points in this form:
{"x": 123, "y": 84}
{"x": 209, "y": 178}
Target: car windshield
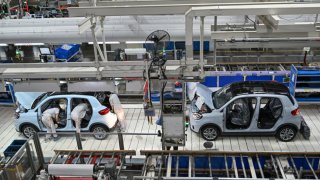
{"x": 221, "y": 97}
{"x": 39, "y": 99}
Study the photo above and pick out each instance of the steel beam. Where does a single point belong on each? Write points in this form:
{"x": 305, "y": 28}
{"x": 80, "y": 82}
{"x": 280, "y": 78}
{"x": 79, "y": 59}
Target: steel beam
{"x": 267, "y": 44}
{"x": 241, "y": 9}
{"x": 252, "y": 169}
{"x": 254, "y": 36}
{"x": 190, "y": 167}
{"x": 169, "y": 163}
{"x": 255, "y": 9}
{"x": 201, "y": 45}
{"x": 229, "y": 153}
{"x": 311, "y": 167}
{"x": 168, "y": 2}
{"x": 144, "y": 8}
{"x": 234, "y": 164}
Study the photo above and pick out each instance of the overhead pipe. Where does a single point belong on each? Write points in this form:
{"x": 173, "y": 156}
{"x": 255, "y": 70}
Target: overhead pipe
{"x": 70, "y": 34}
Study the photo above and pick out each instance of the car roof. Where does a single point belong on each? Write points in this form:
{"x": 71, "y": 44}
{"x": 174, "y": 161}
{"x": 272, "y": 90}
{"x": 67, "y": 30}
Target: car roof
{"x": 258, "y": 87}
{"x": 71, "y": 93}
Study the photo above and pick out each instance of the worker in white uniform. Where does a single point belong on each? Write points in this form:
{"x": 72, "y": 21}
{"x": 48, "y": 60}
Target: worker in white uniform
{"x": 117, "y": 109}
{"x": 48, "y": 117}
{"x": 78, "y": 114}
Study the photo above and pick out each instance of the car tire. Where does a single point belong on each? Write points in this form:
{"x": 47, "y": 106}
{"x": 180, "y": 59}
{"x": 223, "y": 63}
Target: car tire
{"x": 210, "y": 133}
{"x": 99, "y": 132}
{"x": 286, "y": 133}
{"x": 28, "y": 130}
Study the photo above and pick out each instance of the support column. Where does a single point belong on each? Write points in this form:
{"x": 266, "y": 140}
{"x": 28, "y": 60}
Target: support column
{"x": 201, "y": 45}
{"x": 103, "y": 39}
{"x": 215, "y": 28}
{"x": 9, "y": 7}
{"x": 189, "y": 37}
{"x": 95, "y": 42}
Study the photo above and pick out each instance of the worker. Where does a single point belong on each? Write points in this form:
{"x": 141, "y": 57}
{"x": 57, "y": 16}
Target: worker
{"x": 48, "y": 117}
{"x": 78, "y": 113}
{"x": 117, "y": 109}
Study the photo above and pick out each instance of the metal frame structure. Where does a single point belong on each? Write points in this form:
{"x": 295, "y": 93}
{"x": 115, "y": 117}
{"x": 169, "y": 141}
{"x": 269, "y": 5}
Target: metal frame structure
{"x": 234, "y": 165}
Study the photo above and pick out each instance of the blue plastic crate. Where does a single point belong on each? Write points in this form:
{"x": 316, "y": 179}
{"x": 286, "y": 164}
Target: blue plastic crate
{"x": 259, "y": 78}
{"x": 210, "y": 81}
{"x": 18, "y": 142}
{"x": 11, "y": 150}
{"x": 224, "y": 80}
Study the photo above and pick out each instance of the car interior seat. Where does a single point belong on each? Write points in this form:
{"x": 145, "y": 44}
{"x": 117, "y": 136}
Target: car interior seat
{"x": 241, "y": 114}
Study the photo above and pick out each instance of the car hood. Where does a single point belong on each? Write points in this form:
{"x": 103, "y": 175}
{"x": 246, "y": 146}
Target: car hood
{"x": 206, "y": 93}
{"x": 26, "y": 99}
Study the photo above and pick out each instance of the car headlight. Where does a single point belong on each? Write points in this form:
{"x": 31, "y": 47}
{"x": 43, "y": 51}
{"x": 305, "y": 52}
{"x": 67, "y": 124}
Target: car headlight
{"x": 196, "y": 116}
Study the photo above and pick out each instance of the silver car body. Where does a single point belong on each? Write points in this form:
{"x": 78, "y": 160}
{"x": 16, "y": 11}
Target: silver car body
{"x": 217, "y": 116}
{"x": 33, "y": 116}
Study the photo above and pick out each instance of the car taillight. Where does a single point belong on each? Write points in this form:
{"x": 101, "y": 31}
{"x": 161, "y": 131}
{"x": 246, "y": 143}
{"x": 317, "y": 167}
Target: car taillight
{"x": 295, "y": 112}
{"x": 104, "y": 111}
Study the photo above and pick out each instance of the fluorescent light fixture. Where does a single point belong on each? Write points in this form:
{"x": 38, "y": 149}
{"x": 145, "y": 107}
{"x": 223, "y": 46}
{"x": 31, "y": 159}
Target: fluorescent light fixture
{"x": 135, "y": 51}
{"x": 303, "y": 23}
{"x": 1, "y": 45}
{"x": 139, "y": 42}
{"x": 29, "y": 44}
{"x": 107, "y": 42}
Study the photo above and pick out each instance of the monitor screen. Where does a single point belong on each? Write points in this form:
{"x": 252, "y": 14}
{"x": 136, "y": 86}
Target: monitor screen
{"x": 45, "y": 51}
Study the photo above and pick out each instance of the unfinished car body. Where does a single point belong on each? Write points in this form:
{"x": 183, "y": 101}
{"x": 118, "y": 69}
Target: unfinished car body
{"x": 246, "y": 108}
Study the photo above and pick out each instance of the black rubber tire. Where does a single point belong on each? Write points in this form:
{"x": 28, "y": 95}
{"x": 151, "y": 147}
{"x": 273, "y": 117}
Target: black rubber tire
{"x": 205, "y": 132}
{"x": 27, "y": 129}
{"x": 101, "y": 129}
{"x": 286, "y": 133}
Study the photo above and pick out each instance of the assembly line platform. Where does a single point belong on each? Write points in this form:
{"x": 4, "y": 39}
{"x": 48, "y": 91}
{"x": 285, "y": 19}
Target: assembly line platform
{"x": 138, "y": 123}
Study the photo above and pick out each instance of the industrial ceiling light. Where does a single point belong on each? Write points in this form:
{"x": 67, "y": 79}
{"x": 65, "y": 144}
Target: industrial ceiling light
{"x": 1, "y": 45}
{"x": 29, "y": 44}
{"x": 139, "y": 42}
{"x": 107, "y": 42}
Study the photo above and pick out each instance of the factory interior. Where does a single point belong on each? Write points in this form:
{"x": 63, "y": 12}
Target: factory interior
{"x": 159, "y": 89}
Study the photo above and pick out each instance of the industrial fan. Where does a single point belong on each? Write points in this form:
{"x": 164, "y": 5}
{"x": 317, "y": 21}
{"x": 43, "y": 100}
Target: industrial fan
{"x": 156, "y": 43}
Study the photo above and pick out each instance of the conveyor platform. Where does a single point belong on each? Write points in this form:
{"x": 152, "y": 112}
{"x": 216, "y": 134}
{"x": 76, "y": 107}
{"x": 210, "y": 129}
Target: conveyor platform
{"x": 137, "y": 123}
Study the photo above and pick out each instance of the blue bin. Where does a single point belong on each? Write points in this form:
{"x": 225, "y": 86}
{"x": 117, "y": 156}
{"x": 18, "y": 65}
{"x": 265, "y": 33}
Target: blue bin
{"x": 18, "y": 142}
{"x": 259, "y": 78}
{"x": 210, "y": 81}
{"x": 11, "y": 150}
{"x": 224, "y": 80}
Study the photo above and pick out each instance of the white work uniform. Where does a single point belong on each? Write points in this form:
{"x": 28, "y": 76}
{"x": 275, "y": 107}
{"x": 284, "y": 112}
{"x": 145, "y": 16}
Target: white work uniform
{"x": 47, "y": 119}
{"x": 117, "y": 108}
{"x": 78, "y": 113}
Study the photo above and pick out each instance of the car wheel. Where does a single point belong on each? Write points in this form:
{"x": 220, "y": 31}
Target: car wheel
{"x": 286, "y": 133}
{"x": 29, "y": 130}
{"x": 209, "y": 133}
{"x": 100, "y": 132}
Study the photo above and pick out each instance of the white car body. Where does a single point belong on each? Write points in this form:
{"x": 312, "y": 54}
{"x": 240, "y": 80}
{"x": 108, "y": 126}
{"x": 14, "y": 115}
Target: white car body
{"x": 28, "y": 115}
{"x": 217, "y": 116}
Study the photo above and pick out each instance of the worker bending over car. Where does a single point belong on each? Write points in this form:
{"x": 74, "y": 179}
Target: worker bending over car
{"x": 78, "y": 113}
{"x": 48, "y": 117}
{"x": 117, "y": 109}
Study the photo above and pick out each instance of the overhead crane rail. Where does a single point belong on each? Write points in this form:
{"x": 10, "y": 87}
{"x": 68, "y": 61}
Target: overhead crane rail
{"x": 134, "y": 69}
